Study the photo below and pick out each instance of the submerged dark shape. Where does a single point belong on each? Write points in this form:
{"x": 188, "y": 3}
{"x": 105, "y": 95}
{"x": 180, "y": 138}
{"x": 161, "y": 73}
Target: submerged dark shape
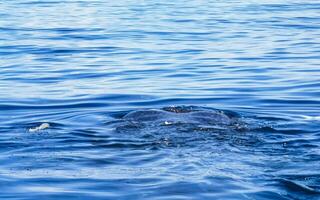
{"x": 185, "y": 115}
{"x": 181, "y": 125}
{"x": 175, "y": 120}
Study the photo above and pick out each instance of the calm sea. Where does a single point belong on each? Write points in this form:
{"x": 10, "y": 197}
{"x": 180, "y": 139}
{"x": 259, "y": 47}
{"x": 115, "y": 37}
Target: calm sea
{"x": 72, "y": 70}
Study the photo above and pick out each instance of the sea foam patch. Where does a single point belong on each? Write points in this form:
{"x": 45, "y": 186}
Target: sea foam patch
{"x": 311, "y": 118}
{"x": 39, "y": 128}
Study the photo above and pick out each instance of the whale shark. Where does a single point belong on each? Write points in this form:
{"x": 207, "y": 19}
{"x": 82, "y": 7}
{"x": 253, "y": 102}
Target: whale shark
{"x": 177, "y": 119}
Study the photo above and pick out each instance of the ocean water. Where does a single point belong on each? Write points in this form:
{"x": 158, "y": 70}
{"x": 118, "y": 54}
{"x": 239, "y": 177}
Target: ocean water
{"x": 200, "y": 99}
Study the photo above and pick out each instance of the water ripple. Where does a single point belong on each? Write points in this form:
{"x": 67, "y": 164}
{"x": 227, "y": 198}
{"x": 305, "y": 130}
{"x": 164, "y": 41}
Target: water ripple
{"x": 83, "y": 66}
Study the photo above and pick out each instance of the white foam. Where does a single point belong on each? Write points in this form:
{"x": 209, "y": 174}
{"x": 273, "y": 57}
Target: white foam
{"x": 39, "y": 128}
{"x": 311, "y": 118}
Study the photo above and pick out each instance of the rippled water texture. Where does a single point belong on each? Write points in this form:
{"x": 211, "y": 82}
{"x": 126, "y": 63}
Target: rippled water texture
{"x": 160, "y": 99}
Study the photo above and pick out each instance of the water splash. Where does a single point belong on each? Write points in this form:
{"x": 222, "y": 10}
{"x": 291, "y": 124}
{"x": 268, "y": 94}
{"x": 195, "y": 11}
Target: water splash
{"x": 39, "y": 128}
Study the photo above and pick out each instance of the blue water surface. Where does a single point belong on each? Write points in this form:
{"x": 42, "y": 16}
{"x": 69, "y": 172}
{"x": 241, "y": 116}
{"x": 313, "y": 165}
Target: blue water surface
{"x": 82, "y": 65}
